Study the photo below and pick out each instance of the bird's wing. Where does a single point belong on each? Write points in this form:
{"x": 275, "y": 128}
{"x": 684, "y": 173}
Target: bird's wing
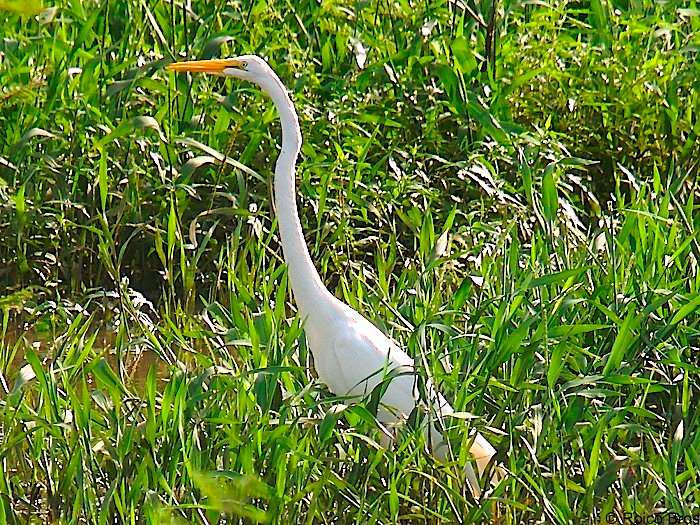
{"x": 362, "y": 357}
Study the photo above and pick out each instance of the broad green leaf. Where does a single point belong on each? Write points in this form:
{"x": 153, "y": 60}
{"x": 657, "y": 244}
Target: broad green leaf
{"x": 550, "y": 201}
{"x": 102, "y": 180}
{"x": 325, "y": 429}
{"x": 591, "y": 472}
{"x": 106, "y": 377}
{"x": 558, "y": 277}
{"x": 172, "y": 230}
{"x": 449, "y": 81}
{"x": 21, "y": 7}
{"x": 687, "y": 309}
{"x": 195, "y": 163}
{"x": 555, "y": 364}
{"x": 575, "y": 329}
{"x": 622, "y": 343}
{"x": 464, "y": 55}
{"x": 38, "y": 369}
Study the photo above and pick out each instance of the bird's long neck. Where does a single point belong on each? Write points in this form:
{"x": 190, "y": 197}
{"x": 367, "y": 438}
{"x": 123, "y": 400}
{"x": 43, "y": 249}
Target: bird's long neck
{"x": 306, "y": 284}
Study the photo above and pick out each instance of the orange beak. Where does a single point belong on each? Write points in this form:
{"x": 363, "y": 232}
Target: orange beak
{"x": 215, "y": 66}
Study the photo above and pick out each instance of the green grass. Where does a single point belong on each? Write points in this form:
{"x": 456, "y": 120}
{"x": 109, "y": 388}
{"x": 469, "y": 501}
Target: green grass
{"x": 512, "y": 197}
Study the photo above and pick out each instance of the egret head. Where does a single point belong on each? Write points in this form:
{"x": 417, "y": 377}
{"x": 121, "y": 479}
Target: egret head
{"x": 246, "y": 67}
{"x": 253, "y": 69}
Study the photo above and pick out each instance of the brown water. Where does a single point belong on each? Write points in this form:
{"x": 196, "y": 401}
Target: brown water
{"x": 136, "y": 358}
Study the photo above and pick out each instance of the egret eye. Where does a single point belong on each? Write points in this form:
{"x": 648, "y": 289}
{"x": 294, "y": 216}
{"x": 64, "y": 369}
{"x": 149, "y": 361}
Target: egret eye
{"x": 244, "y": 66}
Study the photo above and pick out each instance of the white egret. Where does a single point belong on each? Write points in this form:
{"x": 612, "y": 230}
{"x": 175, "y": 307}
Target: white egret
{"x": 351, "y": 355}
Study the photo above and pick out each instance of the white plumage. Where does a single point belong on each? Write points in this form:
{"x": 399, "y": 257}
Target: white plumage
{"x": 351, "y": 355}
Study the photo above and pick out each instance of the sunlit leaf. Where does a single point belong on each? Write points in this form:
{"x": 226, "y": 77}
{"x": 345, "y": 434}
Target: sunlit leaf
{"x": 22, "y": 7}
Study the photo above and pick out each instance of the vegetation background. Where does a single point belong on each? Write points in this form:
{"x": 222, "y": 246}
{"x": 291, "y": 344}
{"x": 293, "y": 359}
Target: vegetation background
{"x": 508, "y": 188}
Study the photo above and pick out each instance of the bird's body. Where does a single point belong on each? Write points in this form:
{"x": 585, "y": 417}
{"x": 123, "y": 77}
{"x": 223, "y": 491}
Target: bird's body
{"x": 351, "y": 355}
